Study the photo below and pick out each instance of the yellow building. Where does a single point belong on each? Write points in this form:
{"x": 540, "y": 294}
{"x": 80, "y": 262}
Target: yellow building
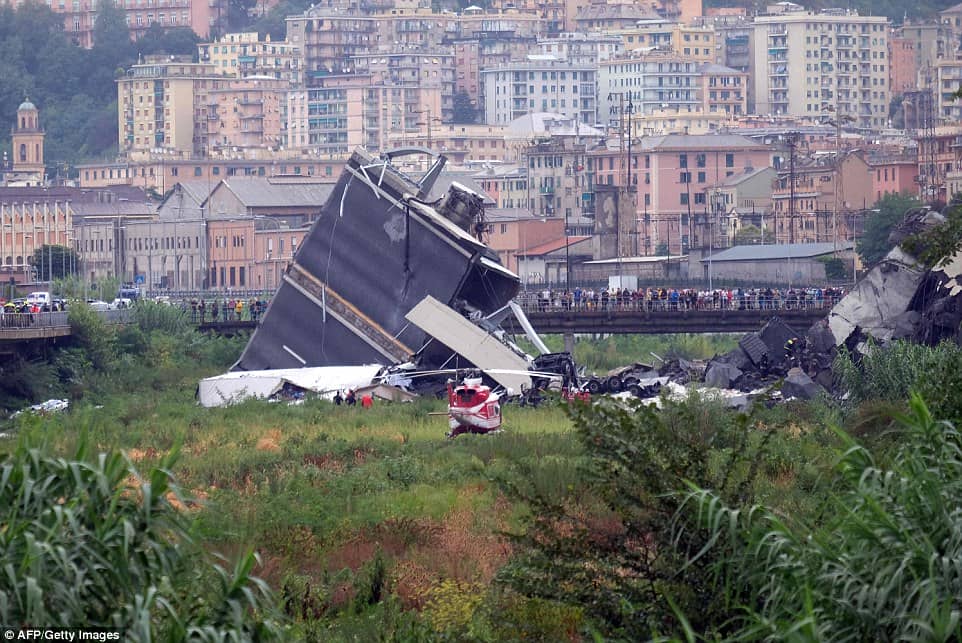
{"x": 696, "y": 43}
{"x": 163, "y": 105}
{"x": 26, "y": 139}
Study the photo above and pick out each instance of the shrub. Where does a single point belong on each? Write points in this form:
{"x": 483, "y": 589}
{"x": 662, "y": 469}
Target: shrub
{"x": 890, "y": 372}
{"x": 606, "y": 545}
{"x": 888, "y": 566}
{"x": 88, "y": 542}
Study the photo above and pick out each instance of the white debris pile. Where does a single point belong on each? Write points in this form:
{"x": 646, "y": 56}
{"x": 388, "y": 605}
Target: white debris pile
{"x": 45, "y": 408}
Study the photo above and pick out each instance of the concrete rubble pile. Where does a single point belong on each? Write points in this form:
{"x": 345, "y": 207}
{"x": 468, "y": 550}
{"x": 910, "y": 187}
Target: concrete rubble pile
{"x": 896, "y": 299}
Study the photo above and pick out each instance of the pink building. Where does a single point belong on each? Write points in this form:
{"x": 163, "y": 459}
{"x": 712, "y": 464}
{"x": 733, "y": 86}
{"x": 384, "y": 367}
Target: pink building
{"x": 246, "y": 113}
{"x": 466, "y": 69}
{"x": 674, "y": 176}
{"x": 893, "y": 174}
{"x": 903, "y": 68}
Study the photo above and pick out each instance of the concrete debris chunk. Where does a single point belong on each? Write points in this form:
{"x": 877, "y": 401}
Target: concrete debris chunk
{"x": 878, "y": 299}
{"x": 721, "y": 375}
{"x": 799, "y": 385}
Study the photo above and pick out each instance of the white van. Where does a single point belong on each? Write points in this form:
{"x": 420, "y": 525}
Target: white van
{"x": 41, "y": 298}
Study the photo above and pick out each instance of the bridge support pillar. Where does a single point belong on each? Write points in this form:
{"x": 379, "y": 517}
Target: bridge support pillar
{"x": 569, "y": 342}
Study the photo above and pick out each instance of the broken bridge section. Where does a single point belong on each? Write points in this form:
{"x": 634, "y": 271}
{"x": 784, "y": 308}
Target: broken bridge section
{"x": 376, "y": 251}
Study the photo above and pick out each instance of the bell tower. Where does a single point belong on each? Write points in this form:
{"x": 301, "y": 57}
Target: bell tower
{"x": 27, "y": 137}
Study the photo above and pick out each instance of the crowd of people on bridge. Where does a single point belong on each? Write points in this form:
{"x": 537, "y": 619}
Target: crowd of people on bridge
{"x": 224, "y": 310}
{"x": 682, "y": 299}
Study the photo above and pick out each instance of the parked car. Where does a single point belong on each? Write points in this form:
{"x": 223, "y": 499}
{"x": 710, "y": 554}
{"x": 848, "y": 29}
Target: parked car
{"x": 98, "y": 305}
{"x": 40, "y": 297}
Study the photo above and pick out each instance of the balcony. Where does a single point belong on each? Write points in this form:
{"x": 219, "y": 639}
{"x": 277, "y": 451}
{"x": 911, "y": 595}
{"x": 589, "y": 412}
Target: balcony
{"x": 546, "y": 189}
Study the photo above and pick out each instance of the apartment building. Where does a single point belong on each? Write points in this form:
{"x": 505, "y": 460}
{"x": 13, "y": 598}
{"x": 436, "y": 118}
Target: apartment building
{"x": 674, "y": 176}
{"x": 903, "y": 69}
{"x": 581, "y": 49}
{"x": 555, "y": 155}
{"x": 548, "y": 85}
{"x": 485, "y": 52}
{"x": 460, "y": 143}
{"x": 723, "y": 90}
{"x": 650, "y": 81}
{"x": 806, "y": 63}
{"x": 326, "y": 39}
{"x": 80, "y": 16}
{"x": 163, "y": 105}
{"x": 428, "y": 76}
{"x": 242, "y": 55}
{"x": 245, "y": 113}
{"x": 948, "y": 74}
{"x": 689, "y": 41}
{"x": 600, "y": 15}
{"x": 327, "y": 118}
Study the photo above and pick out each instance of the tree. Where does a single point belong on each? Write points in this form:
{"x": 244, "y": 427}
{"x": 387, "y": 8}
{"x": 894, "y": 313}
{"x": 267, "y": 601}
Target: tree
{"x": 888, "y": 213}
{"x": 606, "y": 543}
{"x": 464, "y": 108}
{"x": 54, "y": 262}
{"x": 751, "y": 234}
{"x": 938, "y": 244}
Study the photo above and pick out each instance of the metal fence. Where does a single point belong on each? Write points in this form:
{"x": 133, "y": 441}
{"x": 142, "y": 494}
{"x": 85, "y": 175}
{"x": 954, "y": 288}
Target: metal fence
{"x": 682, "y": 301}
{"x": 57, "y": 319}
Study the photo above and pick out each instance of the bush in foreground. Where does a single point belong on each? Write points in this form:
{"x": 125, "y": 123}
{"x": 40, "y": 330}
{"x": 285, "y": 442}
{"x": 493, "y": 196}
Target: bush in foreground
{"x": 886, "y": 567}
{"x": 88, "y": 542}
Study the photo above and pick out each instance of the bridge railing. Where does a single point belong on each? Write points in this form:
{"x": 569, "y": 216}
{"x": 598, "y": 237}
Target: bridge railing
{"x": 537, "y": 303}
{"x": 57, "y": 319}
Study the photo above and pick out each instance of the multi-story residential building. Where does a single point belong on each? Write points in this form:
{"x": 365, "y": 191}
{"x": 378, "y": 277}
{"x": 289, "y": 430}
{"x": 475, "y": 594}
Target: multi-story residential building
{"x": 329, "y": 117}
{"x": 581, "y": 49}
{"x": 555, "y": 156}
{"x": 509, "y": 22}
{"x": 242, "y": 55}
{"x": 325, "y": 40}
{"x": 485, "y": 52}
{"x": 600, "y": 15}
{"x": 931, "y": 43}
{"x": 674, "y": 177}
{"x": 163, "y": 105}
{"x": 430, "y": 73}
{"x": 893, "y": 174}
{"x": 939, "y": 155}
{"x": 694, "y": 42}
{"x": 507, "y": 185}
{"x": 723, "y": 90}
{"x": 948, "y": 74}
{"x": 80, "y": 16}
{"x": 460, "y": 143}
{"x": 733, "y": 36}
{"x": 903, "y": 69}
{"x": 826, "y": 193}
{"x": 548, "y": 85}
{"x": 650, "y": 81}
{"x": 245, "y": 113}
{"x": 808, "y": 62}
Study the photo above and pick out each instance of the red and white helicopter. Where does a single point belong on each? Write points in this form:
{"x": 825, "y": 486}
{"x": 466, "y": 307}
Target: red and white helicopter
{"x": 473, "y": 407}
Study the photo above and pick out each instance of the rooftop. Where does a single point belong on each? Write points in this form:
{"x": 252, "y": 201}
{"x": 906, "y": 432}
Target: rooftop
{"x": 785, "y": 251}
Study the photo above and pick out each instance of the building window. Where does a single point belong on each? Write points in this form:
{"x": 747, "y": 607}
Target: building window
{"x": 682, "y": 160}
{"x": 729, "y": 160}
{"x": 683, "y": 198}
